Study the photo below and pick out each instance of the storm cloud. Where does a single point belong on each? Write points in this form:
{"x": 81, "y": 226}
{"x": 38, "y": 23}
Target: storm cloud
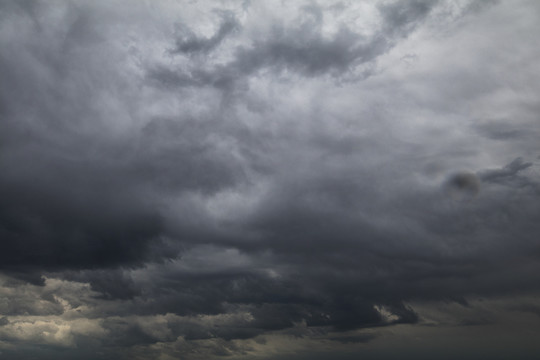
{"x": 331, "y": 179}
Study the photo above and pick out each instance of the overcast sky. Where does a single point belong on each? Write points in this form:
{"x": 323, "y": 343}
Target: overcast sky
{"x": 269, "y": 179}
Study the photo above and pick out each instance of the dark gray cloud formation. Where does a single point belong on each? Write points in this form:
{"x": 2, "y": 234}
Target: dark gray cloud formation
{"x": 299, "y": 47}
{"x": 280, "y": 179}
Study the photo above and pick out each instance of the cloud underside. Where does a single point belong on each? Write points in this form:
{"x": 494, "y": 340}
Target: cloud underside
{"x": 198, "y": 181}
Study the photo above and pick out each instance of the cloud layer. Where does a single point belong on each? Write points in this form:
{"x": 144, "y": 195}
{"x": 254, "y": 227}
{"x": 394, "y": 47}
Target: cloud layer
{"x": 275, "y": 180}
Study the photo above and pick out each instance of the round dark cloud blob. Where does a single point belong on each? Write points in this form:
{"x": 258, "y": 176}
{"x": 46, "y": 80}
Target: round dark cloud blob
{"x": 462, "y": 185}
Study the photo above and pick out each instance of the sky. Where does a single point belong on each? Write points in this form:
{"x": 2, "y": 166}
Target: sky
{"x": 260, "y": 180}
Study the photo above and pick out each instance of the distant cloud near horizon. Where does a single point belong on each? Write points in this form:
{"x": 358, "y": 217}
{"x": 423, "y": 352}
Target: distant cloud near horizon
{"x": 270, "y": 180}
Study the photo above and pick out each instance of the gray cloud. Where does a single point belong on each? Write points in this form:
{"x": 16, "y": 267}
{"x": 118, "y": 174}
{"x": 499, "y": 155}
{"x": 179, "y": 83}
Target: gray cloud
{"x": 190, "y": 43}
{"x": 508, "y": 173}
{"x": 463, "y": 182}
{"x": 300, "y": 48}
{"x": 193, "y": 182}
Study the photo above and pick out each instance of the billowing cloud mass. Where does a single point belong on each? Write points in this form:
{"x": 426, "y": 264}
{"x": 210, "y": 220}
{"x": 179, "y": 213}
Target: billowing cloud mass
{"x": 269, "y": 179}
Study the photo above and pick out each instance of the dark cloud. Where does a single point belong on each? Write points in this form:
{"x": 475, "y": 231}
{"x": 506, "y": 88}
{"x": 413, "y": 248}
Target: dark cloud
{"x": 508, "y": 174}
{"x": 502, "y": 130}
{"x": 74, "y": 195}
{"x": 4, "y": 321}
{"x": 463, "y": 183}
{"x": 400, "y": 17}
{"x": 354, "y": 339}
{"x": 110, "y": 283}
{"x": 45, "y": 225}
{"x": 175, "y": 189}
